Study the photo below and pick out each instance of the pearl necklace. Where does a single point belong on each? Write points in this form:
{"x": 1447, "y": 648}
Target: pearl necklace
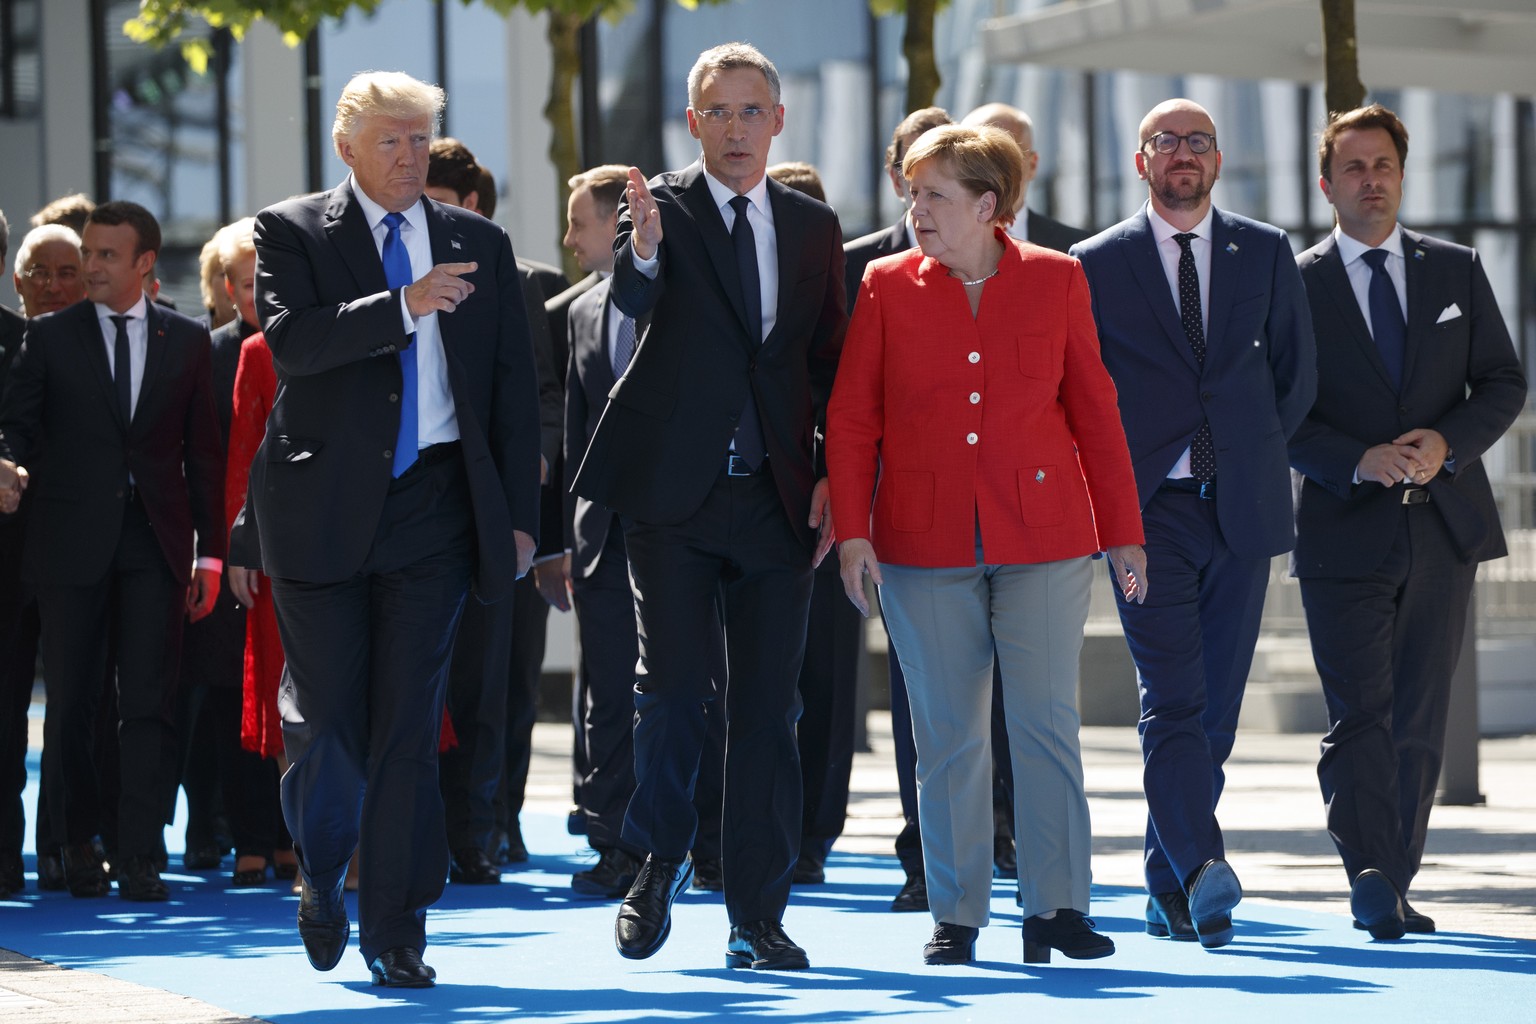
{"x": 979, "y": 280}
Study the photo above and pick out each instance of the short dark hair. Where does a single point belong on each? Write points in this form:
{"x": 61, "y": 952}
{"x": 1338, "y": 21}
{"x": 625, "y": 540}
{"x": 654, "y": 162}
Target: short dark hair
{"x": 451, "y": 165}
{"x": 1360, "y": 119}
{"x": 69, "y": 211}
{"x": 120, "y": 211}
{"x": 800, "y": 176}
{"x": 913, "y": 125}
{"x": 485, "y": 189}
{"x": 606, "y": 182}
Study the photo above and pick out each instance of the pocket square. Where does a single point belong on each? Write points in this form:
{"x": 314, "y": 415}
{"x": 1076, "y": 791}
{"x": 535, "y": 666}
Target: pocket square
{"x": 1450, "y": 312}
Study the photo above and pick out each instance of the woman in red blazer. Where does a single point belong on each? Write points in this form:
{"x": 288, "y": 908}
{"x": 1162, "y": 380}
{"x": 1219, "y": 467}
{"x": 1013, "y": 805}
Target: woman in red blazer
{"x": 977, "y": 462}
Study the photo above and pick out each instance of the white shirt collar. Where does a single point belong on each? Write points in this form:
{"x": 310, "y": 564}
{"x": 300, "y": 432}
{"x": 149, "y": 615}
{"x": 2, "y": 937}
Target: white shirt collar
{"x": 138, "y": 311}
{"x": 415, "y": 216}
{"x": 1351, "y": 249}
{"x": 722, "y": 194}
{"x": 1162, "y": 230}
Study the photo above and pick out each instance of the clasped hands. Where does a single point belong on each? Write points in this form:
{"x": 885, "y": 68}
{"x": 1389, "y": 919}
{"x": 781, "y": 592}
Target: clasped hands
{"x": 1414, "y": 457}
{"x": 13, "y": 480}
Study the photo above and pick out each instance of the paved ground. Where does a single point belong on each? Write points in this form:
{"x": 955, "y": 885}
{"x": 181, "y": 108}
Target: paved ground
{"x": 1479, "y": 874}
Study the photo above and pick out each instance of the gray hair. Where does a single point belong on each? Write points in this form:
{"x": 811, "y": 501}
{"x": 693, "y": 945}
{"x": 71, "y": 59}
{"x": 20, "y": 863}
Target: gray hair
{"x": 5, "y": 236}
{"x": 726, "y": 57}
{"x": 37, "y": 236}
{"x": 385, "y": 94}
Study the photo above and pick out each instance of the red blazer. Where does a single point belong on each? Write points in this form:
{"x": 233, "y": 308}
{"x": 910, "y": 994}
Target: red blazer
{"x": 939, "y": 420}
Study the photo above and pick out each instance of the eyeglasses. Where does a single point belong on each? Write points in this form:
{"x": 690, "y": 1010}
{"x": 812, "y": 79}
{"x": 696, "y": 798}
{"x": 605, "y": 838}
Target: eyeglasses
{"x": 721, "y": 116}
{"x": 1167, "y": 143}
{"x": 45, "y": 276}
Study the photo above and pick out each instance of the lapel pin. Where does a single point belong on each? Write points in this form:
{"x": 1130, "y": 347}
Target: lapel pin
{"x": 455, "y": 243}
{"x": 1232, "y": 247}
{"x": 1418, "y": 254}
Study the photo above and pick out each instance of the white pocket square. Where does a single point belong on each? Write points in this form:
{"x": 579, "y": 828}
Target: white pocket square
{"x": 1450, "y": 312}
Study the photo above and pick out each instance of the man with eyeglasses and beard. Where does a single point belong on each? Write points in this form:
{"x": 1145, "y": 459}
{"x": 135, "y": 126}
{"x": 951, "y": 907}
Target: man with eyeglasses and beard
{"x": 1204, "y": 326}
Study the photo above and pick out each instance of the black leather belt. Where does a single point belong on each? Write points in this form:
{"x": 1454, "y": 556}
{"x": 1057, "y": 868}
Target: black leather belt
{"x": 1189, "y": 485}
{"x": 735, "y": 465}
{"x": 432, "y": 454}
{"x": 1415, "y": 496}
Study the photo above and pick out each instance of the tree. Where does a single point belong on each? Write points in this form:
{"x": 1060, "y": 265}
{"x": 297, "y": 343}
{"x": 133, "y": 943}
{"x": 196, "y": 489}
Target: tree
{"x": 916, "y": 46}
{"x": 1342, "y": 88}
{"x": 163, "y": 21}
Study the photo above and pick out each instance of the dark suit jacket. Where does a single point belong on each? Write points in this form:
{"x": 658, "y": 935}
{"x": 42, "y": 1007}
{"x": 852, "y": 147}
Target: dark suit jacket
{"x": 551, "y": 279}
{"x": 12, "y": 326}
{"x": 662, "y": 441}
{"x": 587, "y": 385}
{"x": 1461, "y": 377}
{"x": 553, "y": 532}
{"x": 60, "y": 387}
{"x": 318, "y": 483}
{"x": 551, "y": 401}
{"x": 1052, "y": 234}
{"x": 865, "y": 249}
{"x": 1259, "y": 377}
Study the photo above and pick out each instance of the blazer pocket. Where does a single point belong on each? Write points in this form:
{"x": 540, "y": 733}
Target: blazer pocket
{"x": 645, "y": 400}
{"x": 287, "y": 448}
{"x": 1040, "y": 501}
{"x": 1037, "y": 355}
{"x": 910, "y": 500}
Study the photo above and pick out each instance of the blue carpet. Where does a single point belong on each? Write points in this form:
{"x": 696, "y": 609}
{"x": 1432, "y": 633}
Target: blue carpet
{"x": 527, "y": 950}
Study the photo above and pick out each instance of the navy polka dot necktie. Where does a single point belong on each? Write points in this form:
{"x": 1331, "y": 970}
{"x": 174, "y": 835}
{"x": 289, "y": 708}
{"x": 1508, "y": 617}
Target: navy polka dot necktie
{"x": 1202, "y": 451}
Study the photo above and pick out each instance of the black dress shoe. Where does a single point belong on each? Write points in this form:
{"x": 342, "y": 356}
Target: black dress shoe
{"x": 84, "y": 873}
{"x": 763, "y": 946}
{"x": 472, "y": 866}
{"x": 515, "y": 851}
{"x": 1213, "y": 891}
{"x": 323, "y": 924}
{"x": 913, "y": 896}
{"x": 202, "y": 858}
{"x": 1070, "y": 931}
{"x": 708, "y": 875}
{"x": 13, "y": 874}
{"x": 951, "y": 944}
{"x": 645, "y": 916}
{"x": 1005, "y": 857}
{"x": 1377, "y": 905}
{"x": 1168, "y": 916}
{"x": 50, "y": 872}
{"x": 576, "y": 821}
{"x": 1414, "y": 923}
{"x": 809, "y": 870}
{"x": 139, "y": 881}
{"x": 402, "y": 968}
{"x": 610, "y": 877}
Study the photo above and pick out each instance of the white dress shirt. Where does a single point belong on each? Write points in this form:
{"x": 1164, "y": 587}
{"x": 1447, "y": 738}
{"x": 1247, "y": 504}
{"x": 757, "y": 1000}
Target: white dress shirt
{"x": 436, "y": 421}
{"x": 1351, "y": 250}
{"x": 1169, "y": 250}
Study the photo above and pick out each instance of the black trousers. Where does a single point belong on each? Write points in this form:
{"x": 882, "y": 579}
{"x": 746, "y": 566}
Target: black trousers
{"x": 530, "y": 617}
{"x": 362, "y": 699}
{"x": 477, "y": 702}
{"x": 130, "y": 621}
{"x": 739, "y": 554}
{"x": 828, "y": 687}
{"x": 19, "y": 631}
{"x": 1385, "y": 645}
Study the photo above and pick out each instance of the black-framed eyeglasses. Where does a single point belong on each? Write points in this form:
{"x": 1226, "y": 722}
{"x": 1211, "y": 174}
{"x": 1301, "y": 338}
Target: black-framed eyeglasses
{"x": 45, "y": 275}
{"x": 721, "y": 116}
{"x": 1167, "y": 143}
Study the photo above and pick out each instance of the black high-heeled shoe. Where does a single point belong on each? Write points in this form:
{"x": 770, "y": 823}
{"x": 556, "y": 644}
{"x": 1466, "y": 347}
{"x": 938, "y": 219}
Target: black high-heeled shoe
{"x": 1070, "y": 931}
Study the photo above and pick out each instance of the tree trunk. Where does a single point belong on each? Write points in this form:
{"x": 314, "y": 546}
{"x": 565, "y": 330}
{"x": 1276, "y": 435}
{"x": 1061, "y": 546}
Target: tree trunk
{"x": 560, "y": 112}
{"x": 917, "y": 48}
{"x": 1342, "y": 88}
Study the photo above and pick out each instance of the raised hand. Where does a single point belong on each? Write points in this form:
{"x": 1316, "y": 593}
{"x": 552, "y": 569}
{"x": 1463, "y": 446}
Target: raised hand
{"x": 646, "y": 233}
{"x": 440, "y": 290}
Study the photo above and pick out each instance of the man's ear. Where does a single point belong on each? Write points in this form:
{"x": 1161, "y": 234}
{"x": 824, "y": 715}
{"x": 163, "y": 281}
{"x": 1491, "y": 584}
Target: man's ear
{"x": 470, "y": 202}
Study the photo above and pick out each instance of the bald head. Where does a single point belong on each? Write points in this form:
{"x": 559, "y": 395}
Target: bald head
{"x": 1018, "y": 125}
{"x": 1178, "y": 178}
{"x": 1182, "y": 110}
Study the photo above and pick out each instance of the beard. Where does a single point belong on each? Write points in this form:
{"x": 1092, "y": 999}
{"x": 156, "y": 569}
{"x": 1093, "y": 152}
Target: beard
{"x": 1185, "y": 195}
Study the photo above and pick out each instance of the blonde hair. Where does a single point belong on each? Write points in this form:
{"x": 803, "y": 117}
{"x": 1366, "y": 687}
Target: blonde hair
{"x": 384, "y": 94}
{"x": 982, "y": 159}
{"x": 236, "y": 241}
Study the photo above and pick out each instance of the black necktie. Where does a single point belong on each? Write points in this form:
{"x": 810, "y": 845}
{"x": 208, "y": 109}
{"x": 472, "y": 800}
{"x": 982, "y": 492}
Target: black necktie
{"x": 1202, "y": 452}
{"x": 749, "y": 431}
{"x": 1387, "y": 325}
{"x": 122, "y": 369}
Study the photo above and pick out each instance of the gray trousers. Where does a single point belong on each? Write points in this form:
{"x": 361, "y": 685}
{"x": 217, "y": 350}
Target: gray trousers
{"x": 945, "y": 625}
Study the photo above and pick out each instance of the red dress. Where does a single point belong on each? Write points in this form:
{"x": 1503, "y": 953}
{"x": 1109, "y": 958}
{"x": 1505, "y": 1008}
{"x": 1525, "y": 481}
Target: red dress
{"x": 261, "y": 725}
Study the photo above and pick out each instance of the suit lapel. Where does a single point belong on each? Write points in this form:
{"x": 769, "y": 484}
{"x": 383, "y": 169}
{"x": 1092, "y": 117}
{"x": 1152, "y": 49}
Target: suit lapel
{"x": 95, "y": 355}
{"x": 1147, "y": 267}
{"x": 789, "y": 238}
{"x": 1226, "y": 268}
{"x": 347, "y": 229}
{"x": 1330, "y": 270}
{"x": 700, "y": 204}
{"x": 1420, "y": 313}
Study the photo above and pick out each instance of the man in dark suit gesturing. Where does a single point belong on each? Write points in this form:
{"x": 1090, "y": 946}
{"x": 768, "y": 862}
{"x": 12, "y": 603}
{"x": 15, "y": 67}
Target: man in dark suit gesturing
{"x": 1416, "y": 379}
{"x": 121, "y": 391}
{"x": 706, "y": 449}
{"x": 401, "y": 461}
{"x": 1203, "y": 325}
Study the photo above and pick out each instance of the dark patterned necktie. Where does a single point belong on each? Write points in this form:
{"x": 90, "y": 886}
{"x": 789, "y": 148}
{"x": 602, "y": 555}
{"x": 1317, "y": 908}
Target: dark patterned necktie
{"x": 1387, "y": 326}
{"x": 1202, "y": 451}
{"x": 623, "y": 345}
{"x": 749, "y": 431}
{"x": 122, "y": 369}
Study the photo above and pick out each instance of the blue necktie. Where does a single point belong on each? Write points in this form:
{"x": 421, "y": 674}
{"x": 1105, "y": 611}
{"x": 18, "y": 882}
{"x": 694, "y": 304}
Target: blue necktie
{"x": 623, "y": 345}
{"x": 749, "y": 431}
{"x": 397, "y": 274}
{"x": 1387, "y": 325}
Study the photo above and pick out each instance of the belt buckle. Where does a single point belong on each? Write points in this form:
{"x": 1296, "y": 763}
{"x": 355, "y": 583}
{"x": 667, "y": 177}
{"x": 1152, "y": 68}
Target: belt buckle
{"x": 1208, "y": 490}
{"x": 1415, "y": 496}
{"x": 735, "y": 465}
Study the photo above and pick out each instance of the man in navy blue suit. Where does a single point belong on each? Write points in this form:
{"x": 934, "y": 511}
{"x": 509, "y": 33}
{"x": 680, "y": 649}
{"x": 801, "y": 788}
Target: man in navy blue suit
{"x": 1204, "y": 327}
{"x": 1416, "y": 379}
